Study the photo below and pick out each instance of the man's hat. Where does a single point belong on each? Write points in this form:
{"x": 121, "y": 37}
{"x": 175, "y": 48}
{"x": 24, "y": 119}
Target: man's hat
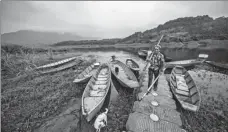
{"x": 113, "y": 56}
{"x": 157, "y": 46}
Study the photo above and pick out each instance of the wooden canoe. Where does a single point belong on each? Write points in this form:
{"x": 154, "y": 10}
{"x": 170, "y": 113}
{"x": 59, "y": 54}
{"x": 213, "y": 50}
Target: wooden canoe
{"x": 95, "y": 92}
{"x": 60, "y": 68}
{"x": 184, "y": 89}
{"x": 133, "y": 66}
{"x": 85, "y": 75}
{"x": 125, "y": 76}
{"x": 183, "y": 63}
{"x": 143, "y": 54}
{"x": 51, "y": 65}
{"x": 218, "y": 65}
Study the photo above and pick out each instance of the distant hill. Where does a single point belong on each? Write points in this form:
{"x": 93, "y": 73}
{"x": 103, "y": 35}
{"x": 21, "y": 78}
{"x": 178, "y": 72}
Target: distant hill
{"x": 88, "y": 42}
{"x": 29, "y": 37}
{"x": 184, "y": 29}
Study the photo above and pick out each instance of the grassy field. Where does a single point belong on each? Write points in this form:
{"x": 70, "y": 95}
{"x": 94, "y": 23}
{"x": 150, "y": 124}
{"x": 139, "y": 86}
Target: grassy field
{"x": 30, "y": 99}
{"x": 213, "y": 114}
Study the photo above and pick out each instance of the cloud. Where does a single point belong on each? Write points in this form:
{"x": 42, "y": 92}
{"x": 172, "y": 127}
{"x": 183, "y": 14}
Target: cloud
{"x": 101, "y": 18}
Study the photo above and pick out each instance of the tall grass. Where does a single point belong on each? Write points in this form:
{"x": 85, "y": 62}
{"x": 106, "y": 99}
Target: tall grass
{"x": 213, "y": 113}
{"x": 30, "y": 101}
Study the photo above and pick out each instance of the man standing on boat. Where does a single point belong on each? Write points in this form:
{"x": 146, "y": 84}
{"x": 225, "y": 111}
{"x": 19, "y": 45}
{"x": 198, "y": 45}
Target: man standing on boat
{"x": 157, "y": 63}
{"x": 113, "y": 58}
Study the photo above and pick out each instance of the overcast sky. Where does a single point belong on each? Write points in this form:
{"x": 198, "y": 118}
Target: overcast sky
{"x": 101, "y": 19}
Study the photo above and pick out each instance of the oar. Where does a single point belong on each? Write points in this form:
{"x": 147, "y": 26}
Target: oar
{"x": 148, "y": 90}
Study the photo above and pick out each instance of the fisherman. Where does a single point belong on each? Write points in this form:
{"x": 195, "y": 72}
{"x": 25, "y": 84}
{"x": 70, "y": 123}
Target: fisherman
{"x": 157, "y": 62}
{"x": 116, "y": 68}
{"x": 113, "y": 58}
{"x": 129, "y": 63}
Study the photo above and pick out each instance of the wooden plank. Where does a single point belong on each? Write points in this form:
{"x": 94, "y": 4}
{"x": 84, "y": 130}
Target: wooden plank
{"x": 193, "y": 91}
{"x": 162, "y": 100}
{"x": 138, "y": 122}
{"x": 163, "y": 113}
{"x": 102, "y": 79}
{"x": 100, "y": 82}
{"x": 170, "y": 120}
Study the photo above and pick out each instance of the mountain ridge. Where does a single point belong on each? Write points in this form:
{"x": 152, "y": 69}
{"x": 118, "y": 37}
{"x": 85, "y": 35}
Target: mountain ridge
{"x": 184, "y": 29}
{"x": 34, "y": 37}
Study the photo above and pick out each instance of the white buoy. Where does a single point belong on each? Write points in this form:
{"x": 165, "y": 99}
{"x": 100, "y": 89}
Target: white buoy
{"x": 154, "y": 103}
{"x": 154, "y": 117}
{"x": 154, "y": 94}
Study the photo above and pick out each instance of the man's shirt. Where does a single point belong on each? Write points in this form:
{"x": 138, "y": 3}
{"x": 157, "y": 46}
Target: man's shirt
{"x": 157, "y": 60}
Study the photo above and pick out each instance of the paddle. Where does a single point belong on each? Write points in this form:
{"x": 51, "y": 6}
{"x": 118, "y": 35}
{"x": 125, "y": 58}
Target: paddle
{"x": 148, "y": 90}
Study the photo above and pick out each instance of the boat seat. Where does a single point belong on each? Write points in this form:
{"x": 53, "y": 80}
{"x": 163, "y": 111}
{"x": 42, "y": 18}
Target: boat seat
{"x": 102, "y": 76}
{"x": 96, "y": 87}
{"x": 102, "y": 79}
{"x": 178, "y": 71}
{"x": 193, "y": 91}
{"x": 181, "y": 83}
{"x": 188, "y": 80}
{"x": 191, "y": 85}
{"x": 182, "y": 92}
{"x": 86, "y": 76}
{"x": 100, "y": 82}
{"x": 96, "y": 93}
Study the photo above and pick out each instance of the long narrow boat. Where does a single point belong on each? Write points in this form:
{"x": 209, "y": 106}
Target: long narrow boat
{"x": 95, "y": 92}
{"x": 218, "y": 65}
{"x": 143, "y": 54}
{"x": 62, "y": 67}
{"x": 85, "y": 75}
{"x": 184, "y": 89}
{"x": 124, "y": 75}
{"x": 133, "y": 66}
{"x": 183, "y": 63}
{"x": 56, "y": 63}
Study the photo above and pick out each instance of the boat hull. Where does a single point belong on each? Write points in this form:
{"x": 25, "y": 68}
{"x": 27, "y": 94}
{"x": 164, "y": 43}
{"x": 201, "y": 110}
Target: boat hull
{"x": 82, "y": 80}
{"x": 56, "y": 64}
{"x": 136, "y": 69}
{"x": 97, "y": 107}
{"x": 127, "y": 73}
{"x": 64, "y": 67}
{"x": 185, "y": 63}
{"x": 218, "y": 65}
{"x": 143, "y": 54}
{"x": 189, "y": 96}
{"x": 85, "y": 75}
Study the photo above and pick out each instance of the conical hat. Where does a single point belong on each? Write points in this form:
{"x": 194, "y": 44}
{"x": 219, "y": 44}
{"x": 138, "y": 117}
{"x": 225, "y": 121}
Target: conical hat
{"x": 157, "y": 46}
